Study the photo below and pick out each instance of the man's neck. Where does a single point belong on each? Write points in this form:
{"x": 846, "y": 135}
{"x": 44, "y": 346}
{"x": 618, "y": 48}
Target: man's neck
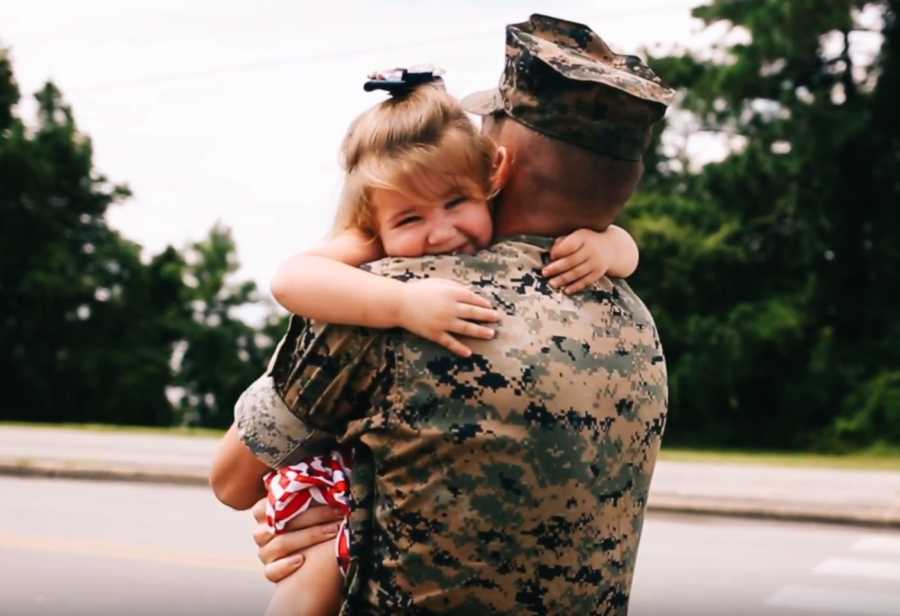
{"x": 536, "y": 212}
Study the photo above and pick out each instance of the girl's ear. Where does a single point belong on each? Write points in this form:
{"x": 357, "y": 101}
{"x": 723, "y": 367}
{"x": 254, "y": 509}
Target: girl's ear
{"x": 500, "y": 169}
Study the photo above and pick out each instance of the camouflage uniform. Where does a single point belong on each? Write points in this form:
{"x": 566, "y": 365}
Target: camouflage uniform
{"x": 510, "y": 482}
{"x": 513, "y": 481}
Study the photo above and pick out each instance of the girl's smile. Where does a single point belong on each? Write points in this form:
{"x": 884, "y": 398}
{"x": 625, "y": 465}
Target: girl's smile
{"x": 412, "y": 227}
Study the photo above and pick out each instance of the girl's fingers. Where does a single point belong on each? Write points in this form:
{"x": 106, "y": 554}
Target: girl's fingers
{"x": 581, "y": 283}
{"x": 461, "y": 293}
{"x": 565, "y": 246}
{"x": 567, "y": 278}
{"x": 475, "y": 299}
{"x": 471, "y": 330}
{"x": 453, "y": 345}
{"x": 564, "y": 264}
{"x": 475, "y": 313}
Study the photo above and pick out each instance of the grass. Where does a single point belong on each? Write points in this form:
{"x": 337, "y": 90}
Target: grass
{"x": 883, "y": 458}
{"x": 170, "y": 431}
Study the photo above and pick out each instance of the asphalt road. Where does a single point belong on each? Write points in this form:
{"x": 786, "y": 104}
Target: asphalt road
{"x": 699, "y": 565}
{"x": 810, "y": 494}
{"x": 80, "y": 547}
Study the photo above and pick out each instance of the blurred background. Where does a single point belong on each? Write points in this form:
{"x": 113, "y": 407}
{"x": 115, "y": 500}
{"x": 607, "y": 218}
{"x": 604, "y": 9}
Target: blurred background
{"x": 159, "y": 159}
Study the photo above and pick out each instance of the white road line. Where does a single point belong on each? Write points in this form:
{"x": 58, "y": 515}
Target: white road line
{"x": 841, "y": 601}
{"x": 100, "y": 549}
{"x": 875, "y": 569}
{"x": 881, "y": 545}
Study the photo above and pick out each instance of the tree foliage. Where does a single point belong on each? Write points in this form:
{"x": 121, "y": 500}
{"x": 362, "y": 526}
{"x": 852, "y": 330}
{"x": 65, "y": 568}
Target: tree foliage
{"x": 220, "y": 354}
{"x": 773, "y": 272}
{"x": 89, "y": 329}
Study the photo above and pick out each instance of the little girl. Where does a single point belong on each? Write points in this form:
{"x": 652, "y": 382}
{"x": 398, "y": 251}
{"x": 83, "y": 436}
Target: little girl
{"x": 419, "y": 181}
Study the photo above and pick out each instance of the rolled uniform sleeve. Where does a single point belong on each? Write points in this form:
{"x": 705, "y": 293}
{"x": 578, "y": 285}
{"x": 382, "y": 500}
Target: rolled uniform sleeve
{"x": 320, "y": 378}
{"x": 267, "y": 427}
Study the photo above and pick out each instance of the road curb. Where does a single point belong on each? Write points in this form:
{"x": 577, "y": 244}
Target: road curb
{"x": 774, "y": 510}
{"x": 135, "y": 475}
{"x": 663, "y": 503}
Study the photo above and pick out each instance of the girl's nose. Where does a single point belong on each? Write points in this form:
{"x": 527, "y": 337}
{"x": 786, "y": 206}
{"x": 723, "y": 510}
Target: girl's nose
{"x": 440, "y": 234}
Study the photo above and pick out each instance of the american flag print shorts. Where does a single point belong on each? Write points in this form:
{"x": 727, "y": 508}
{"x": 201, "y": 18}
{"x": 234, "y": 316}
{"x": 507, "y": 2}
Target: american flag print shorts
{"x": 314, "y": 481}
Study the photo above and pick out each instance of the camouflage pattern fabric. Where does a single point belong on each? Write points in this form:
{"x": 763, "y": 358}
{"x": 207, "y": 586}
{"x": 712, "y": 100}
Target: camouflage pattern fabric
{"x": 563, "y": 80}
{"x": 510, "y": 482}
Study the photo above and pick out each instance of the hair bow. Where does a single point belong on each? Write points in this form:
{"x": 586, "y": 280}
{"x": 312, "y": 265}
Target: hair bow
{"x": 403, "y": 80}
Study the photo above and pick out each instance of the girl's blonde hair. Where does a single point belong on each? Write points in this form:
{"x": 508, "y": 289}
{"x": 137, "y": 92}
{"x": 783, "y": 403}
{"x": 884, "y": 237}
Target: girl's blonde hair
{"x": 421, "y": 144}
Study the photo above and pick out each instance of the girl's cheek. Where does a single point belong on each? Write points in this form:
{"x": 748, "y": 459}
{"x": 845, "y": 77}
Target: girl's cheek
{"x": 402, "y": 243}
{"x": 487, "y": 230}
{"x": 389, "y": 242}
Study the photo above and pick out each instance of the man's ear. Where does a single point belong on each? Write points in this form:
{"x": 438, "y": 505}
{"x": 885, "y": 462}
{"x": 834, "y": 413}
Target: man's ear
{"x": 500, "y": 169}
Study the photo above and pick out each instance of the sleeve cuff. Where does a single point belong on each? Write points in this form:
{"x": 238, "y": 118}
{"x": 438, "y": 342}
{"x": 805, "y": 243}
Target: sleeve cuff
{"x": 269, "y": 429}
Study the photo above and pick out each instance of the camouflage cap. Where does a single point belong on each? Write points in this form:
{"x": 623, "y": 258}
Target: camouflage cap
{"x": 563, "y": 80}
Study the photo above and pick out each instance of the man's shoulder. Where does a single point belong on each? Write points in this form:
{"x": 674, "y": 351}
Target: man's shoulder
{"x": 323, "y": 369}
{"x": 307, "y": 336}
{"x": 505, "y": 257}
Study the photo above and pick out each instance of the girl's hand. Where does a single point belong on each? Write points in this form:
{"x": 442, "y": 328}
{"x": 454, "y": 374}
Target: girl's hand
{"x": 436, "y": 309}
{"x": 578, "y": 260}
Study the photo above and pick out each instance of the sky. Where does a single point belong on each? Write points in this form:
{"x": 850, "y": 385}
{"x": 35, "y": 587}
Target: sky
{"x": 233, "y": 112}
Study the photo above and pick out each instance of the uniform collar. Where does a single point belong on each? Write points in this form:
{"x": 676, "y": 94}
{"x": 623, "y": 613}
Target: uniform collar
{"x": 540, "y": 241}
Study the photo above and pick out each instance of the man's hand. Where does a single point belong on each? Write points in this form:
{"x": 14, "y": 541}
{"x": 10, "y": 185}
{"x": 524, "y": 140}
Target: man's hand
{"x": 282, "y": 554}
{"x": 435, "y": 309}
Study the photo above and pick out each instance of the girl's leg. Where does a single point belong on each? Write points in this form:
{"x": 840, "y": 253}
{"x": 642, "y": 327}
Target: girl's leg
{"x": 315, "y": 589}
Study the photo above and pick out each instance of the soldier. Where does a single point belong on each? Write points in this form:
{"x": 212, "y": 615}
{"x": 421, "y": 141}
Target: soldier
{"x": 514, "y": 480}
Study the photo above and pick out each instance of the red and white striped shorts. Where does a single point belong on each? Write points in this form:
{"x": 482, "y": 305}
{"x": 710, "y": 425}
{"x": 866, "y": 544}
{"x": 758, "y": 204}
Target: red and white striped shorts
{"x": 317, "y": 480}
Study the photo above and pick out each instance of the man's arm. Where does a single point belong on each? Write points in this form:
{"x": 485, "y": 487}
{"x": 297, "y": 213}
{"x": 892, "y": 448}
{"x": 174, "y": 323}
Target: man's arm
{"x": 321, "y": 378}
{"x": 281, "y": 554}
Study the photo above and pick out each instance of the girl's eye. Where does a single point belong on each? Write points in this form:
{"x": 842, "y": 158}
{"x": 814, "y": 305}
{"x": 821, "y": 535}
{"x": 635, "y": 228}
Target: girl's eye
{"x": 406, "y": 221}
{"x": 455, "y": 201}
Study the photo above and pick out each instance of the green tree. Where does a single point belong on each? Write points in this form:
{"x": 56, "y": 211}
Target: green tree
{"x": 220, "y": 353}
{"x": 89, "y": 329}
{"x": 773, "y": 272}
{"x": 72, "y": 331}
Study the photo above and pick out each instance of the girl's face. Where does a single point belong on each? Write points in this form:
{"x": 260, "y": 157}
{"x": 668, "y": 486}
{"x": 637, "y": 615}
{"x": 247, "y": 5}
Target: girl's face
{"x": 410, "y": 227}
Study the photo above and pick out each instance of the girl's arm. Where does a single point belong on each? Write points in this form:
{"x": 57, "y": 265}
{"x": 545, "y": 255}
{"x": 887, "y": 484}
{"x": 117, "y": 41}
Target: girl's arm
{"x": 325, "y": 284}
{"x": 584, "y": 256}
{"x": 236, "y": 475}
